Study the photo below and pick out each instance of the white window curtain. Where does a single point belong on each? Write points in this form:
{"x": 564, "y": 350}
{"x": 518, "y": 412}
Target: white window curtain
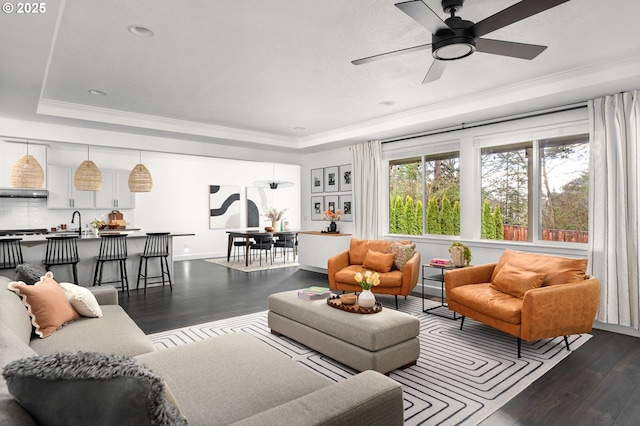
{"x": 367, "y": 172}
{"x": 613, "y": 206}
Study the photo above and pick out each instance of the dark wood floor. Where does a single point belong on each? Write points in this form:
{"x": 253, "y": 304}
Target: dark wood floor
{"x": 599, "y": 384}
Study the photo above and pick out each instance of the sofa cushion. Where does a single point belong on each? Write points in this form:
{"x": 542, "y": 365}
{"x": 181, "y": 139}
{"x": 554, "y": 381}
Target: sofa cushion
{"x": 378, "y": 262}
{"x": 388, "y": 279}
{"x": 402, "y": 253}
{"x": 29, "y": 274}
{"x": 483, "y": 298}
{"x": 78, "y": 388}
{"x": 13, "y": 313}
{"x": 113, "y": 333}
{"x": 47, "y": 304}
{"x": 261, "y": 378}
{"x": 560, "y": 270}
{"x": 517, "y": 281}
{"x": 82, "y": 300}
{"x": 358, "y": 249}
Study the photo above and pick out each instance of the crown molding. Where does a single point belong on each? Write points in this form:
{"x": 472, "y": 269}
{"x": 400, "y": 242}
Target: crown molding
{"x": 124, "y": 118}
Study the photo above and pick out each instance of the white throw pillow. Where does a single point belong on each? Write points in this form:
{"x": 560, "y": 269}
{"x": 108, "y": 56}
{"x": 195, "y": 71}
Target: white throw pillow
{"x": 82, "y": 300}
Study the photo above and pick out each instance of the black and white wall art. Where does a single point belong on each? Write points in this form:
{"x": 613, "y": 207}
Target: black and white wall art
{"x": 331, "y": 202}
{"x": 331, "y": 179}
{"x": 346, "y": 207}
{"x": 224, "y": 206}
{"x": 317, "y": 207}
{"x": 345, "y": 178}
{"x": 317, "y": 180}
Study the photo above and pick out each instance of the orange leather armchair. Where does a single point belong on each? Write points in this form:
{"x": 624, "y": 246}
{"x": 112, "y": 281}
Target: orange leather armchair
{"x": 565, "y": 303}
{"x": 343, "y": 267}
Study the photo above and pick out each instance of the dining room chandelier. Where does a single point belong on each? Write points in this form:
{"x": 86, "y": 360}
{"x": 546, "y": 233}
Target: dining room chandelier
{"x": 88, "y": 176}
{"x": 273, "y": 183}
{"x": 26, "y": 172}
{"x": 140, "y": 179}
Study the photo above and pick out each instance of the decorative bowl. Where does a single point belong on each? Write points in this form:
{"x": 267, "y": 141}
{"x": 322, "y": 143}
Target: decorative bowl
{"x": 348, "y": 299}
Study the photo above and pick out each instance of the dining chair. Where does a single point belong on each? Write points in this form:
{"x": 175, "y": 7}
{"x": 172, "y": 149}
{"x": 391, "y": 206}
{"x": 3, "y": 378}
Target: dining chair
{"x": 262, "y": 242}
{"x": 286, "y": 241}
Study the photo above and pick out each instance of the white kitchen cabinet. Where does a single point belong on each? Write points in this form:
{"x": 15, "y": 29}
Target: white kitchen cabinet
{"x": 115, "y": 191}
{"x": 10, "y": 153}
{"x": 62, "y": 191}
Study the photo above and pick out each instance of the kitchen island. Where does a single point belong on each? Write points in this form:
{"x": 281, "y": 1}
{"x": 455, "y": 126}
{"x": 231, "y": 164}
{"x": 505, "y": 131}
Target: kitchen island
{"x": 34, "y": 247}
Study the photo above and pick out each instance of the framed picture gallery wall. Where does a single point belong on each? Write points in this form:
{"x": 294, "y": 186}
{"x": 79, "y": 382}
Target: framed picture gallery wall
{"x": 331, "y": 189}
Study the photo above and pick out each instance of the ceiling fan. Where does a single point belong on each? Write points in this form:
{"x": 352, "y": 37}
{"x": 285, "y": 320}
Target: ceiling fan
{"x": 454, "y": 38}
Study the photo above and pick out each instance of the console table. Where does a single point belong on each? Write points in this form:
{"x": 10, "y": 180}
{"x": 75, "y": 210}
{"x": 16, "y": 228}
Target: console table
{"x": 315, "y": 248}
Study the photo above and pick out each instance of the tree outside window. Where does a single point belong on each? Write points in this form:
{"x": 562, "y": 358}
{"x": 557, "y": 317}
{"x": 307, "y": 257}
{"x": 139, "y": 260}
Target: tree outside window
{"x": 439, "y": 177}
{"x": 561, "y": 190}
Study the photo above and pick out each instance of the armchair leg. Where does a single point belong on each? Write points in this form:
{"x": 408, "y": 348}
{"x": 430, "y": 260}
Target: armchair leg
{"x": 462, "y": 322}
{"x": 396, "y": 302}
{"x": 566, "y": 342}
{"x": 519, "y": 345}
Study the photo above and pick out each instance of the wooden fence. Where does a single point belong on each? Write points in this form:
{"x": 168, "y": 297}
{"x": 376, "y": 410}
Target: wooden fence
{"x": 521, "y": 233}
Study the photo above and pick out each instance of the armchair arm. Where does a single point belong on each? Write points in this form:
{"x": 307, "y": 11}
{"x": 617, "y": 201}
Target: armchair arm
{"x": 410, "y": 273}
{"x": 560, "y": 310}
{"x": 366, "y": 398}
{"x": 472, "y": 275}
{"x": 335, "y": 264}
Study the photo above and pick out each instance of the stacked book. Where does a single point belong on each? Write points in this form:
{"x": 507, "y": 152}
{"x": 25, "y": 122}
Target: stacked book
{"x": 442, "y": 263}
{"x": 314, "y": 293}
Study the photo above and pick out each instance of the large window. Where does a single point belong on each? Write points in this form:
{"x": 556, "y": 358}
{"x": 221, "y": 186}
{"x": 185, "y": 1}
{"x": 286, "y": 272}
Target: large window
{"x": 536, "y": 190}
{"x": 432, "y": 180}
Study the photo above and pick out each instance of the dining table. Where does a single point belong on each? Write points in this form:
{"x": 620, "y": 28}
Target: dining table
{"x": 247, "y": 234}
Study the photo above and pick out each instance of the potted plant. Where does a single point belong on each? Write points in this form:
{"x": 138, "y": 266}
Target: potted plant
{"x": 460, "y": 254}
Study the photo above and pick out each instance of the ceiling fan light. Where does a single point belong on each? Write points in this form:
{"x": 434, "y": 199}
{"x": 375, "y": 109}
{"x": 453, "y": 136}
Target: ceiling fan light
{"x": 450, "y": 49}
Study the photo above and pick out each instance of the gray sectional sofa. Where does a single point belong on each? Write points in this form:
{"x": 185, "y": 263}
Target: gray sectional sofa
{"x": 231, "y": 379}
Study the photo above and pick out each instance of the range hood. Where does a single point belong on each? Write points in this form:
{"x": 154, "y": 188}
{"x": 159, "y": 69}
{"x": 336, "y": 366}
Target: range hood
{"x": 23, "y": 193}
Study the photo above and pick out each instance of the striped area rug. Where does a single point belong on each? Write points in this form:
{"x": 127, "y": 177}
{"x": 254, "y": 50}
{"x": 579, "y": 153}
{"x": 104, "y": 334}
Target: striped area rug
{"x": 462, "y": 376}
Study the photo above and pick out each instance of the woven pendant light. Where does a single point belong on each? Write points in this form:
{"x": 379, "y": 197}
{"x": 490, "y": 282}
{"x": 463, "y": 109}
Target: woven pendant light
{"x": 88, "y": 176}
{"x": 140, "y": 179}
{"x": 27, "y": 172}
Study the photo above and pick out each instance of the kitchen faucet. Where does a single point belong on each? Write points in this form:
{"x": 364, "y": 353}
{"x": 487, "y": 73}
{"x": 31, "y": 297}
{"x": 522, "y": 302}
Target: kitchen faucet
{"x": 79, "y": 222}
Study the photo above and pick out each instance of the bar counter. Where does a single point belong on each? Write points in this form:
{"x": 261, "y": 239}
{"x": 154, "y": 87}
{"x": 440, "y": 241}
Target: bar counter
{"x": 34, "y": 247}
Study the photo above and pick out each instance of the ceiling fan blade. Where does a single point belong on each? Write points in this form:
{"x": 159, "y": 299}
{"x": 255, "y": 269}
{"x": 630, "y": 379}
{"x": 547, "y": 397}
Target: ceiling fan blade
{"x": 515, "y": 13}
{"x": 422, "y": 14}
{"x": 509, "y": 48}
{"x": 391, "y": 54}
{"x": 435, "y": 71}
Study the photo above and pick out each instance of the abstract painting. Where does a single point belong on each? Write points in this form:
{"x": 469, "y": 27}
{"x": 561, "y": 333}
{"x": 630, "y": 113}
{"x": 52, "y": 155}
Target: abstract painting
{"x": 224, "y": 206}
{"x": 257, "y": 206}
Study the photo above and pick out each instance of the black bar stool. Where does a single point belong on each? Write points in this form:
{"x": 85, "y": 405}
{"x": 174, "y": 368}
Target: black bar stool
{"x": 10, "y": 253}
{"x": 156, "y": 246}
{"x": 113, "y": 248}
{"x": 62, "y": 250}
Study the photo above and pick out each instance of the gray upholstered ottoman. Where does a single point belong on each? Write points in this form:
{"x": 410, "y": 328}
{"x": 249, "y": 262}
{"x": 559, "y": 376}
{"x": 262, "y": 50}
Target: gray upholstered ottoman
{"x": 382, "y": 342}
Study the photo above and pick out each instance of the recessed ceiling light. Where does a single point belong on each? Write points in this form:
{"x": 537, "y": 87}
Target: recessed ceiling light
{"x": 140, "y": 31}
{"x": 97, "y": 92}
{"x": 387, "y": 103}
{"x": 299, "y": 128}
